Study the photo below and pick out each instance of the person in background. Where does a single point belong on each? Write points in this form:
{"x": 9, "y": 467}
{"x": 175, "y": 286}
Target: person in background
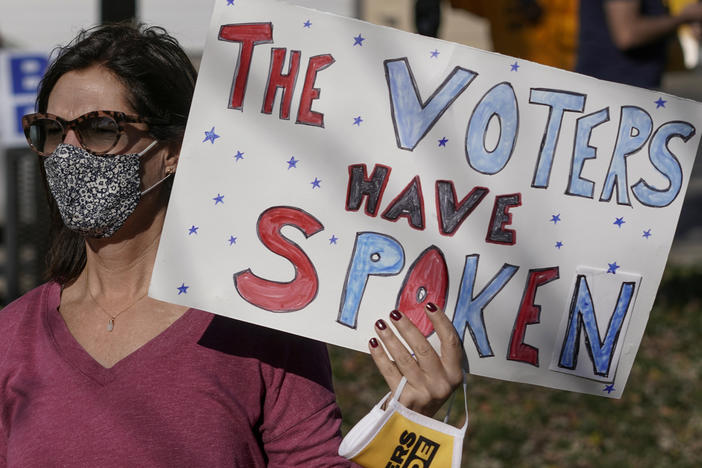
{"x": 626, "y": 40}
{"x": 427, "y": 17}
{"x": 95, "y": 373}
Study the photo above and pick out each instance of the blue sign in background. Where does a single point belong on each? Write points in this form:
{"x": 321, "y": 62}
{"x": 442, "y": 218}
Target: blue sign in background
{"x": 22, "y": 71}
{"x": 26, "y": 72}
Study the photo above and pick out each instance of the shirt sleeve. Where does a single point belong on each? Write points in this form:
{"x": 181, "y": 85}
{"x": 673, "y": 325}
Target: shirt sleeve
{"x": 301, "y": 420}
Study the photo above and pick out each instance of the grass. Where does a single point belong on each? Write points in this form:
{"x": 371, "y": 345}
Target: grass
{"x": 657, "y": 423}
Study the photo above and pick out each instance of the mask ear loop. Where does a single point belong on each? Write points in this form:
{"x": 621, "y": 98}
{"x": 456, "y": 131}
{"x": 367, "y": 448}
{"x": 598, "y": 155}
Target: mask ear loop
{"x": 465, "y": 403}
{"x": 145, "y": 150}
{"x": 156, "y": 184}
{"x": 401, "y": 386}
{"x": 398, "y": 390}
{"x": 169, "y": 172}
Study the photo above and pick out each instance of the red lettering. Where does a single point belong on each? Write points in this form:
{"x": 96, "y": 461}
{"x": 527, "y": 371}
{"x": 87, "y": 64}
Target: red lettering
{"x": 305, "y": 114}
{"x": 280, "y": 296}
{"x": 529, "y": 313}
{"x": 277, "y": 79}
{"x": 426, "y": 281}
{"x": 249, "y": 35}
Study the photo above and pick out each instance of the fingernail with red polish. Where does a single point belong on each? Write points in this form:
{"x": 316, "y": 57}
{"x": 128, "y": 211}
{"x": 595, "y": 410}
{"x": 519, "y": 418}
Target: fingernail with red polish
{"x": 395, "y": 315}
{"x": 381, "y": 325}
{"x": 373, "y": 342}
{"x": 431, "y": 307}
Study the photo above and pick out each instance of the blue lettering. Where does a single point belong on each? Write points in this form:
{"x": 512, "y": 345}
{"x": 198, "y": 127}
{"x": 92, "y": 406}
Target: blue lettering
{"x": 582, "y": 313}
{"x": 373, "y": 254}
{"x": 558, "y": 102}
{"x": 666, "y": 163}
{"x": 634, "y": 129}
{"x": 582, "y": 151}
{"x": 499, "y": 102}
{"x": 469, "y": 309}
{"x": 411, "y": 117}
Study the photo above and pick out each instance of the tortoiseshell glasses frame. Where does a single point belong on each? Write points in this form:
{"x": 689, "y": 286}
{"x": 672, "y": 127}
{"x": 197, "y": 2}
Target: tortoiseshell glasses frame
{"x": 98, "y": 131}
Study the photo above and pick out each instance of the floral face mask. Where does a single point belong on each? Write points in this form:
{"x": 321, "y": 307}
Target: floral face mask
{"x": 95, "y": 194}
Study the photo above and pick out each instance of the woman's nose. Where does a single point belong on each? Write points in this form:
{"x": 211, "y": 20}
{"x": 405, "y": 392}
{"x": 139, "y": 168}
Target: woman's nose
{"x": 71, "y": 138}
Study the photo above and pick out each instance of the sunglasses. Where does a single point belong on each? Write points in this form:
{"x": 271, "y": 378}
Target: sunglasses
{"x": 97, "y": 131}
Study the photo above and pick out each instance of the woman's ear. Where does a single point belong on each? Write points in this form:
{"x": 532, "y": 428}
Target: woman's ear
{"x": 170, "y": 159}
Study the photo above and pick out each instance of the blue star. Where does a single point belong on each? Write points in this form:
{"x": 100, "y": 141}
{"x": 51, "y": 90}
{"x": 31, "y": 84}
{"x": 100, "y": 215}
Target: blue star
{"x": 333, "y": 239}
{"x": 182, "y": 289}
{"x": 292, "y": 162}
{"x": 443, "y": 141}
{"x": 239, "y": 155}
{"x": 660, "y": 102}
{"x": 608, "y": 388}
{"x": 555, "y": 218}
{"x": 647, "y": 234}
{"x": 358, "y": 40}
{"x": 307, "y": 24}
{"x": 218, "y": 199}
{"x": 315, "y": 183}
{"x": 357, "y": 120}
{"x": 435, "y": 53}
{"x": 559, "y": 244}
{"x": 193, "y": 230}
{"x": 619, "y": 222}
{"x": 514, "y": 66}
{"x": 612, "y": 268}
{"x": 232, "y": 240}
{"x": 230, "y": 2}
{"x": 211, "y": 136}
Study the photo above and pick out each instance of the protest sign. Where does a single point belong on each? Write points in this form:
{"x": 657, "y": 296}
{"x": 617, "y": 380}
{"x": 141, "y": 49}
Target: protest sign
{"x": 20, "y": 73}
{"x": 334, "y": 170}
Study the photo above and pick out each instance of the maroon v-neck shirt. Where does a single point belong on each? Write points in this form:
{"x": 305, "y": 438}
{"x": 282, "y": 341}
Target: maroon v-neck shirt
{"x": 208, "y": 391}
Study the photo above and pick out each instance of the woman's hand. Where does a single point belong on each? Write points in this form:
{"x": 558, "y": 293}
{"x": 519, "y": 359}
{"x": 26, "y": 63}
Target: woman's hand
{"x": 431, "y": 378}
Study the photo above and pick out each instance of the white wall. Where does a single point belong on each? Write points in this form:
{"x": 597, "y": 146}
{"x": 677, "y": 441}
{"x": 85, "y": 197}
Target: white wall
{"x": 44, "y": 24}
{"x": 188, "y": 20}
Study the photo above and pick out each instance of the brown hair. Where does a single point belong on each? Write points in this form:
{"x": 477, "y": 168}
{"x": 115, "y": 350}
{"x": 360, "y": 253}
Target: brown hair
{"x": 160, "y": 80}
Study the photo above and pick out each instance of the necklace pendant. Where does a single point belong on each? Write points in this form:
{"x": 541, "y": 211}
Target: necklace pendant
{"x": 111, "y": 325}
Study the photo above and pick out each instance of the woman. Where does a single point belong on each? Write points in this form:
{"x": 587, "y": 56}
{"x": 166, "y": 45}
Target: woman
{"x": 96, "y": 373}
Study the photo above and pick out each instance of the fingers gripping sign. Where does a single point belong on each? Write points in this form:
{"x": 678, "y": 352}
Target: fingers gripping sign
{"x": 431, "y": 377}
{"x": 400, "y": 430}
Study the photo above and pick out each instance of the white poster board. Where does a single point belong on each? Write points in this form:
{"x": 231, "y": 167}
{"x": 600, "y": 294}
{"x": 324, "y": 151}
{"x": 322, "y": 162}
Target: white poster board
{"x": 334, "y": 170}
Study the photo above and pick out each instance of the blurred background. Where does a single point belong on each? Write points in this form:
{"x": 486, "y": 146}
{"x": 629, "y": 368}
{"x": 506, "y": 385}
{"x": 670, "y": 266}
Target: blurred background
{"x": 658, "y": 422}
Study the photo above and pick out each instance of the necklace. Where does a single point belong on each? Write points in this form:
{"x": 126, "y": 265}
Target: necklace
{"x": 111, "y": 322}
